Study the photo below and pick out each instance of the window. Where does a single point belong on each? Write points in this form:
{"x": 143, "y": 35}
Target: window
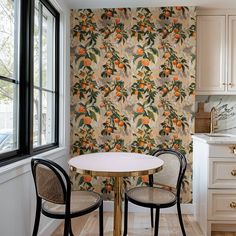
{"x": 29, "y": 78}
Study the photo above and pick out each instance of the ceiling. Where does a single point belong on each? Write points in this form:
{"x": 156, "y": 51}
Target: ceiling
{"x": 80, "y": 4}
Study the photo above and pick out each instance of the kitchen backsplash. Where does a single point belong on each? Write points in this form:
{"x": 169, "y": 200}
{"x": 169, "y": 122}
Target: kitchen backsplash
{"x": 225, "y": 111}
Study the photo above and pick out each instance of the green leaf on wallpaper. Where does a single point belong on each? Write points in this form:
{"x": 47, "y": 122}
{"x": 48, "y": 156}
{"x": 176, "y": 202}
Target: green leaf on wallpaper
{"x": 154, "y": 51}
{"x": 81, "y": 122}
{"x": 139, "y": 122}
{"x": 96, "y": 51}
{"x": 154, "y": 109}
{"x": 81, "y": 64}
{"x": 93, "y": 57}
{"x": 96, "y": 109}
{"x": 139, "y": 65}
{"x": 151, "y": 115}
{"x": 151, "y": 57}
{"x": 139, "y": 181}
{"x": 93, "y": 115}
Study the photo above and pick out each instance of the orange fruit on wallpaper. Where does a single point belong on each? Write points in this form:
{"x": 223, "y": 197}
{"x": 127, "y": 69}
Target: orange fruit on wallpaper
{"x": 167, "y": 14}
{"x": 149, "y": 145}
{"x": 117, "y": 78}
{"x": 141, "y": 143}
{"x": 116, "y": 120}
{"x": 81, "y": 109}
{"x": 121, "y": 65}
{"x": 87, "y": 120}
{"x": 118, "y": 94}
{"x": 144, "y": 178}
{"x": 118, "y": 30}
{"x": 84, "y": 144}
{"x": 149, "y": 28}
{"x": 178, "y": 8}
{"x": 141, "y": 27}
{"x": 179, "y": 66}
{"x": 176, "y": 146}
{"x": 106, "y": 147}
{"x": 87, "y": 62}
{"x": 140, "y": 110}
{"x": 106, "y": 90}
{"x": 149, "y": 86}
{"x": 145, "y": 120}
{"x": 118, "y": 146}
{"x": 84, "y": 27}
{"x": 140, "y": 51}
{"x": 135, "y": 92}
{"x": 118, "y": 88}
{"x": 145, "y": 62}
{"x": 164, "y": 90}
{"x": 83, "y": 85}
{"x": 166, "y": 113}
{"x": 121, "y": 123}
{"x": 87, "y": 178}
{"x": 109, "y": 130}
{"x": 179, "y": 123}
{"x": 118, "y": 21}
{"x": 109, "y": 13}
{"x": 167, "y": 130}
{"x": 174, "y": 62}
{"x": 119, "y": 36}
{"x": 176, "y": 30}
{"x": 177, "y": 93}
{"x": 116, "y": 62}
{"x": 167, "y": 55}
{"x": 176, "y": 89}
{"x": 177, "y": 36}
{"x": 81, "y": 51}
{"x": 167, "y": 72}
{"x": 91, "y": 86}
{"x": 109, "y": 113}
{"x": 174, "y": 120}
{"x": 109, "y": 71}
{"x": 141, "y": 85}
{"x": 91, "y": 28}
{"x": 175, "y": 78}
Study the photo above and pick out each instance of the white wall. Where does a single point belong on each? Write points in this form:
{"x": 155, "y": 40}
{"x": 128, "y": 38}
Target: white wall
{"x": 17, "y": 193}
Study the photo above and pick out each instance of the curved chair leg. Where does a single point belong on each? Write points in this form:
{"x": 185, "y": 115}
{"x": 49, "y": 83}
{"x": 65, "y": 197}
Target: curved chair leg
{"x": 101, "y": 220}
{"x": 37, "y": 216}
{"x": 71, "y": 231}
{"x": 157, "y": 222}
{"x": 67, "y": 226}
{"x": 180, "y": 218}
{"x": 125, "y": 216}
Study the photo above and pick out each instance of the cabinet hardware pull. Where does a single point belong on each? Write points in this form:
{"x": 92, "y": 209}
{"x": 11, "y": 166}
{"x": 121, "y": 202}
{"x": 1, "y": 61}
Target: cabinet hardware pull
{"x": 231, "y": 85}
{"x": 232, "y": 205}
{"x": 224, "y": 83}
{"x": 233, "y": 172}
{"x": 233, "y": 149}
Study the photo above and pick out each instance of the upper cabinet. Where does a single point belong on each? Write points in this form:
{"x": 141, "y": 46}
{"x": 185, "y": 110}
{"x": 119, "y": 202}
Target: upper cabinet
{"x": 216, "y": 54}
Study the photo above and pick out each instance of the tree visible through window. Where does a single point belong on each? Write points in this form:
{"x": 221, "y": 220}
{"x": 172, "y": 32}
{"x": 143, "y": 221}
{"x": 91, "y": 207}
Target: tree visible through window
{"x": 29, "y": 57}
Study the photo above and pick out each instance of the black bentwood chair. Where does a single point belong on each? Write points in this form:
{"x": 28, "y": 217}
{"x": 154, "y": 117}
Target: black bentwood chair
{"x": 166, "y": 192}
{"x": 53, "y": 185}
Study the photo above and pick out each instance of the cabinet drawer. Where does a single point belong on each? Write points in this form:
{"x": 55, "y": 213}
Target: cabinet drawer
{"x": 222, "y": 150}
{"x": 222, "y": 173}
{"x": 222, "y": 204}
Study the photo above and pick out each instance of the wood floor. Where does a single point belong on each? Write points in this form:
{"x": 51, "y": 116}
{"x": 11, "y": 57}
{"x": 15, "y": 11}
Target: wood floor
{"x": 139, "y": 225}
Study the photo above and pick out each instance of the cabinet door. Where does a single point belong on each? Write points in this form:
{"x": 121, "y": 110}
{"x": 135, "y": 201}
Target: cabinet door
{"x": 211, "y": 36}
{"x": 232, "y": 55}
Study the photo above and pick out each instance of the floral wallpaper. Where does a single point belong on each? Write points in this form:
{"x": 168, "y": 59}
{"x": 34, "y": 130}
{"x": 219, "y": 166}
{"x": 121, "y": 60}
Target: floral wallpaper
{"x": 132, "y": 85}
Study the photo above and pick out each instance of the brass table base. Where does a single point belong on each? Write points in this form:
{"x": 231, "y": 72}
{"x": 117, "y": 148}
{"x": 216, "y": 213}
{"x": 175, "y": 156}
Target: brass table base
{"x": 118, "y": 206}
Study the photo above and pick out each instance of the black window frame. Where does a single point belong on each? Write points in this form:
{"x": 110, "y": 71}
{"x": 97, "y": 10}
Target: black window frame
{"x": 26, "y": 84}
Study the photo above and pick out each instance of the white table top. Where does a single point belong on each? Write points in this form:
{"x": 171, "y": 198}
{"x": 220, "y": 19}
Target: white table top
{"x": 116, "y": 164}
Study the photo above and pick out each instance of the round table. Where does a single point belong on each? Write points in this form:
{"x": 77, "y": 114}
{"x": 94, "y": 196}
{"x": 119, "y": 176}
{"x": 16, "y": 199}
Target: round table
{"x": 117, "y": 165}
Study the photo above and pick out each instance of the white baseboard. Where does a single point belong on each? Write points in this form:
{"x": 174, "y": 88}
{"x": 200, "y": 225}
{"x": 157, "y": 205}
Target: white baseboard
{"x": 185, "y": 208}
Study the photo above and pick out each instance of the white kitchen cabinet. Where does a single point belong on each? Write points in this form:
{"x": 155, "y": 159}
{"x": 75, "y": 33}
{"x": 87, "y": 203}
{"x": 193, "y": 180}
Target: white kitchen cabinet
{"x": 214, "y": 183}
{"x": 216, "y": 54}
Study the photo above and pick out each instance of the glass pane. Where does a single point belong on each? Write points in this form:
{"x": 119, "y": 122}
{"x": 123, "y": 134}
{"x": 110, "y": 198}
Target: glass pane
{"x": 7, "y": 38}
{"x": 8, "y": 116}
{"x": 44, "y": 47}
{"x": 44, "y": 120}
{"x": 48, "y": 50}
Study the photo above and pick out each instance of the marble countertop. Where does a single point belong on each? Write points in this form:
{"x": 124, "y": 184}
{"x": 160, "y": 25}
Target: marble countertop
{"x": 216, "y": 138}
